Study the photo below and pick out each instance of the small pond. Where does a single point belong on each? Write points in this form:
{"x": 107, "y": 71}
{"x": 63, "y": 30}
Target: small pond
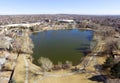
{"x": 61, "y": 45}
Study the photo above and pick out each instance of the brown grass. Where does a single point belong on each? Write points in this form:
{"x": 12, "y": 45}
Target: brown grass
{"x": 19, "y": 73}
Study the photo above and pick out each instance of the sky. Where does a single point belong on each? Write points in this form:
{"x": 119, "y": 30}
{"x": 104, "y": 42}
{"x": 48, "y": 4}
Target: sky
{"x": 87, "y": 7}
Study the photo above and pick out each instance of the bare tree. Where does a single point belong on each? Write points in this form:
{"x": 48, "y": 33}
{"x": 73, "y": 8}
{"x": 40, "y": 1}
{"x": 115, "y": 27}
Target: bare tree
{"x": 45, "y": 63}
{"x": 23, "y": 43}
{"x": 110, "y": 46}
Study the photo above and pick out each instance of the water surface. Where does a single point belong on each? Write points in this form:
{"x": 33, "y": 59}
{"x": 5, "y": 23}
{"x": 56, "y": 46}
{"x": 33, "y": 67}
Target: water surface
{"x": 61, "y": 45}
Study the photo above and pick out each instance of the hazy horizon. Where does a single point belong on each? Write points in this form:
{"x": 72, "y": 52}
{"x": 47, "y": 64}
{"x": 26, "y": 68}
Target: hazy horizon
{"x": 63, "y": 14}
{"x": 80, "y": 7}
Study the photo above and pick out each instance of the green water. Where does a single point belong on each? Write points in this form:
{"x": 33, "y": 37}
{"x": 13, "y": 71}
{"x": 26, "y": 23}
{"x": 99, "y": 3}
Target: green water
{"x": 61, "y": 45}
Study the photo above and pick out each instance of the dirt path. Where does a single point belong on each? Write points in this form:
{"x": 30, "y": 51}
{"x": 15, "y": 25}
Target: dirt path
{"x": 20, "y": 70}
{"x": 27, "y": 66}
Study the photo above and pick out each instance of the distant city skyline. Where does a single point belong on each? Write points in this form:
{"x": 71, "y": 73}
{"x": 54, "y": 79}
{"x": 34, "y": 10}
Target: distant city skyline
{"x": 82, "y": 7}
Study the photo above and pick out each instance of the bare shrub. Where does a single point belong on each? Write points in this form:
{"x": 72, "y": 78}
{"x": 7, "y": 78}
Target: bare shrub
{"x": 58, "y": 66}
{"x": 113, "y": 81}
{"x": 67, "y": 65}
{"x": 45, "y": 63}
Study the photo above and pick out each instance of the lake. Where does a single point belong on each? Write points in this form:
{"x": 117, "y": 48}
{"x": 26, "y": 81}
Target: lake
{"x": 61, "y": 45}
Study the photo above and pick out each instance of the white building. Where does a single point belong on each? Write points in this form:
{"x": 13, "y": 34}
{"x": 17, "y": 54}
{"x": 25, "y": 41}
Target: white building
{"x": 66, "y": 21}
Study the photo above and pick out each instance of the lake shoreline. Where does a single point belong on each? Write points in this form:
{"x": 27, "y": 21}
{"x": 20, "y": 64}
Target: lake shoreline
{"x": 77, "y": 38}
{"x": 46, "y": 29}
{"x": 79, "y": 66}
{"x": 34, "y": 69}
